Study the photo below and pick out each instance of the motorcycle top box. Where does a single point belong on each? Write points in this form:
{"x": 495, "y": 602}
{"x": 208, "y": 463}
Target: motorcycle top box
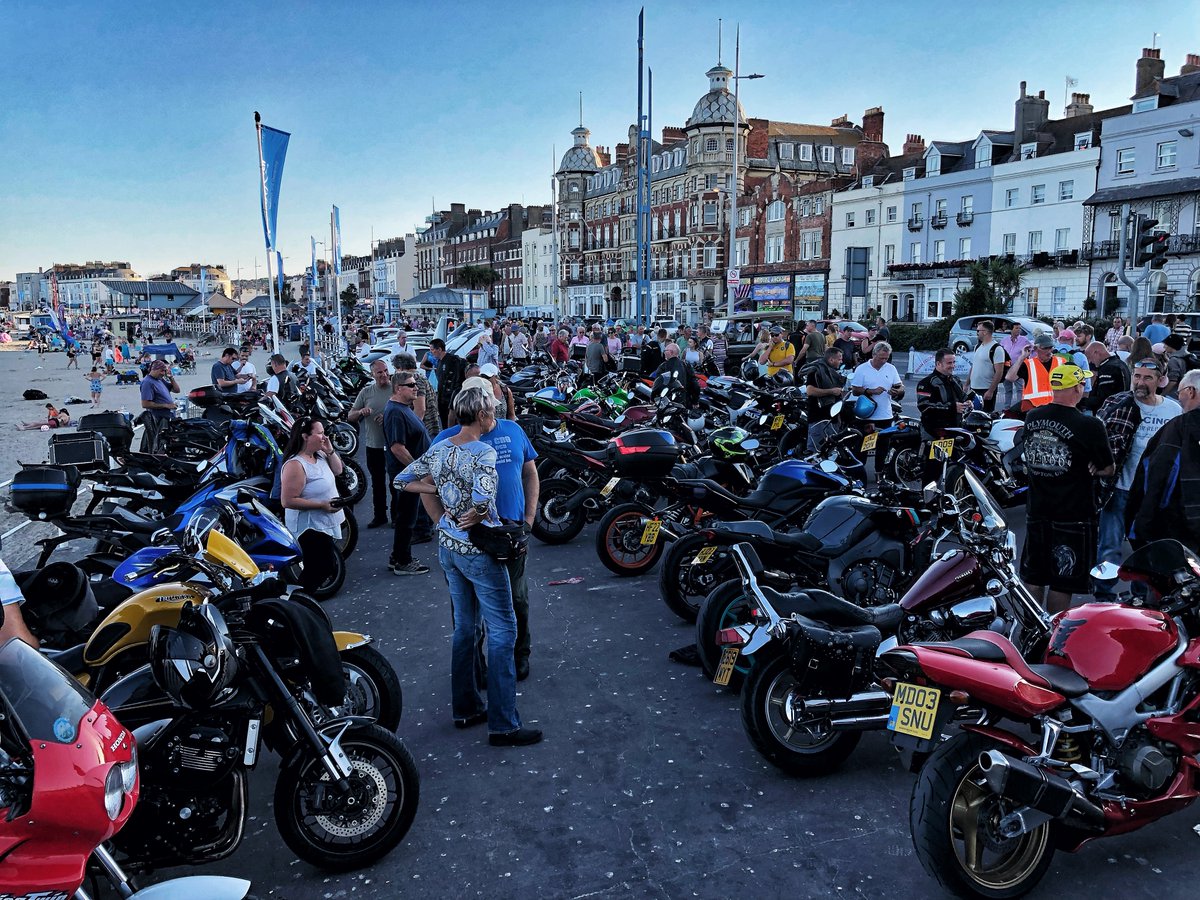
{"x": 115, "y": 426}
{"x": 45, "y": 491}
{"x": 645, "y": 453}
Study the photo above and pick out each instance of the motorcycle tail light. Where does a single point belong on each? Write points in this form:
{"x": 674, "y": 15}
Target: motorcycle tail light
{"x": 1031, "y": 693}
{"x": 728, "y": 636}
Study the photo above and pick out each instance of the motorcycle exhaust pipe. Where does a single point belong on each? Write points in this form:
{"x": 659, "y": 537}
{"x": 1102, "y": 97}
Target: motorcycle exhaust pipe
{"x": 861, "y": 723}
{"x": 1036, "y": 788}
{"x": 579, "y": 498}
{"x": 842, "y": 714}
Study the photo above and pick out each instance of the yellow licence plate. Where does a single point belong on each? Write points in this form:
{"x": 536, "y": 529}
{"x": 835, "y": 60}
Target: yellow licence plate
{"x": 705, "y": 554}
{"x": 777, "y": 423}
{"x": 728, "y": 660}
{"x": 914, "y": 710}
{"x": 608, "y": 486}
{"x": 869, "y": 442}
{"x": 650, "y": 532}
{"x": 941, "y": 449}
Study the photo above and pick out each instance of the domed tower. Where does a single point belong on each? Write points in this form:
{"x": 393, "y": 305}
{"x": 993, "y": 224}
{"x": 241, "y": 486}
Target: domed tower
{"x": 710, "y": 129}
{"x": 577, "y": 164}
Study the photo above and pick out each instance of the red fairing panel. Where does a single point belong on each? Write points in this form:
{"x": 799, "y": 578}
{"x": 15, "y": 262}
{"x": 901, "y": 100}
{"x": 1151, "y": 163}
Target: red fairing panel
{"x": 1110, "y": 645}
{"x": 995, "y": 684}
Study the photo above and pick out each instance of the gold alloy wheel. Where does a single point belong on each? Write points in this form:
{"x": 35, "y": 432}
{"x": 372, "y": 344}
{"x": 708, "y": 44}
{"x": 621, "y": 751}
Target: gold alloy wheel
{"x": 992, "y": 862}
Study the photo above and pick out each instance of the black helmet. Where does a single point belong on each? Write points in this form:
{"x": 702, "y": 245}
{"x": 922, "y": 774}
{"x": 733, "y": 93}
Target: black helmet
{"x": 782, "y": 379}
{"x": 195, "y": 663}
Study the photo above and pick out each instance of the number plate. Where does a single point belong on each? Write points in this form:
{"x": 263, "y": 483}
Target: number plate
{"x": 869, "y": 441}
{"x": 705, "y": 554}
{"x": 562, "y": 434}
{"x": 650, "y": 532}
{"x": 914, "y": 710}
{"x": 729, "y": 657}
{"x": 777, "y": 423}
{"x": 608, "y": 487}
{"x": 941, "y": 448}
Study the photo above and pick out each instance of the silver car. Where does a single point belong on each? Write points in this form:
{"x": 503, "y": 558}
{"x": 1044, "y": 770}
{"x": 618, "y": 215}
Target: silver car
{"x": 963, "y": 338}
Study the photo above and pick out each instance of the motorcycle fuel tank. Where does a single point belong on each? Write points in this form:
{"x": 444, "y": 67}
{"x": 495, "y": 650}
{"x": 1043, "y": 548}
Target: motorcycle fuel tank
{"x": 1111, "y": 645}
{"x": 954, "y": 576}
{"x": 129, "y": 625}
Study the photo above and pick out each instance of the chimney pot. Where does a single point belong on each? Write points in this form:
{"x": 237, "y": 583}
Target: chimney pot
{"x": 1191, "y": 64}
{"x": 1149, "y": 72}
{"x": 1151, "y": 53}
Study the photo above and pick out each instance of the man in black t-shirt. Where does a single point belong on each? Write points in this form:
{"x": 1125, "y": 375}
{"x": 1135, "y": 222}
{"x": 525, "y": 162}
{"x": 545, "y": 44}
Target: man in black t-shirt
{"x": 1065, "y": 453}
{"x": 849, "y": 347}
{"x": 825, "y": 386}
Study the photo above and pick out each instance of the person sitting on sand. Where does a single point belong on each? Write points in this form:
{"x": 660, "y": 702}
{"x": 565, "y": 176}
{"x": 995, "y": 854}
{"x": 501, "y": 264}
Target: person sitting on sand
{"x": 55, "y": 418}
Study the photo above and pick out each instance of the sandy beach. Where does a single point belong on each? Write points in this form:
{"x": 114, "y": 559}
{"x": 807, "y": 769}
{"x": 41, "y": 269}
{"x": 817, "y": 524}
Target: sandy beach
{"x": 21, "y": 369}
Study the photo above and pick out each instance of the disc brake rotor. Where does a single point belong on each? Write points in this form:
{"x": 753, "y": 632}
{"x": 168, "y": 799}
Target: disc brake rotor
{"x": 361, "y": 817}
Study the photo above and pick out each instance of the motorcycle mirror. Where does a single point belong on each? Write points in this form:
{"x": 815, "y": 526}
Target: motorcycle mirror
{"x": 160, "y": 537}
{"x": 828, "y": 466}
{"x": 1106, "y": 571}
{"x": 835, "y": 410}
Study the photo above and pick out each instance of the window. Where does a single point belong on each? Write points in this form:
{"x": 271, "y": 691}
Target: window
{"x": 868, "y": 181}
{"x": 1145, "y": 104}
{"x": 710, "y": 144}
{"x": 775, "y": 248}
{"x": 805, "y": 152}
{"x": 679, "y": 191}
{"x": 889, "y": 254}
{"x": 819, "y": 206}
{"x": 1083, "y": 140}
{"x": 964, "y": 248}
{"x": 849, "y": 220}
{"x": 710, "y": 257}
{"x": 933, "y": 164}
{"x": 805, "y": 208}
{"x": 891, "y": 214}
{"x": 983, "y": 155}
{"x": 1166, "y": 155}
{"x": 1010, "y": 198}
{"x": 1062, "y": 239}
{"x": 870, "y": 217}
{"x": 939, "y": 208}
{"x": 939, "y": 251}
{"x": 1125, "y": 161}
{"x": 710, "y": 181}
{"x": 786, "y": 150}
{"x": 679, "y": 157}
{"x": 916, "y": 210}
{"x": 1037, "y": 194}
{"x": 743, "y": 251}
{"x": 745, "y": 216}
{"x": 1058, "y": 300}
{"x": 939, "y": 303}
{"x": 826, "y": 153}
{"x": 1066, "y": 190}
{"x": 1029, "y": 151}
{"x": 710, "y": 214}
{"x": 776, "y": 211}
{"x": 847, "y": 156}
{"x": 729, "y": 144}
{"x": 1010, "y": 243}
{"x": 1161, "y": 210}
{"x": 914, "y": 252}
{"x": 910, "y": 173}
{"x": 654, "y": 165}
{"x": 968, "y": 204}
{"x": 1035, "y": 242}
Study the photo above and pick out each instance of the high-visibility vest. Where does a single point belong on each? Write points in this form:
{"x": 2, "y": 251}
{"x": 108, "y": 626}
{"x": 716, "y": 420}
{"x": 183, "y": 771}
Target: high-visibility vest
{"x": 1037, "y": 386}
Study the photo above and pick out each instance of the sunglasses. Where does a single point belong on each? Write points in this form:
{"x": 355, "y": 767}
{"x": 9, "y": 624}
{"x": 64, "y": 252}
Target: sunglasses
{"x": 406, "y": 384}
{"x": 1149, "y": 364}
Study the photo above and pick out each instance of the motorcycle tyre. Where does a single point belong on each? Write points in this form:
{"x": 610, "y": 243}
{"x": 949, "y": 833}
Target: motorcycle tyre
{"x": 677, "y": 567}
{"x": 760, "y": 685}
{"x": 311, "y": 848}
{"x": 560, "y": 490}
{"x": 718, "y": 610}
{"x": 607, "y": 523}
{"x": 933, "y": 793}
{"x": 384, "y": 684}
{"x": 794, "y": 442}
{"x": 344, "y": 439}
{"x": 294, "y": 574}
{"x": 352, "y": 483}
{"x": 349, "y": 540}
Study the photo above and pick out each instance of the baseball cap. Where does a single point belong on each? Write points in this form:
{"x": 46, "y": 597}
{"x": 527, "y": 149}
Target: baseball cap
{"x": 775, "y": 329}
{"x": 476, "y": 382}
{"x": 489, "y": 370}
{"x": 1045, "y": 339}
{"x": 1065, "y": 377}
{"x": 1066, "y": 335}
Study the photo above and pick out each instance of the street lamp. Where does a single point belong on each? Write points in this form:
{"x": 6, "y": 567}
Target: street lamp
{"x": 731, "y": 291}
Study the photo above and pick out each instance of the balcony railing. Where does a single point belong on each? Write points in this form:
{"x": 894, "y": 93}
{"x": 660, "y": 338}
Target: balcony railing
{"x": 965, "y": 218}
{"x": 938, "y": 221}
{"x": 709, "y": 273}
{"x": 1101, "y": 250}
{"x": 1183, "y": 243}
{"x": 915, "y": 223}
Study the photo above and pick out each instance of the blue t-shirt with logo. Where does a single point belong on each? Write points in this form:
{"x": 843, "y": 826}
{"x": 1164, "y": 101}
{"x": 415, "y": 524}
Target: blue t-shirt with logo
{"x": 513, "y": 450}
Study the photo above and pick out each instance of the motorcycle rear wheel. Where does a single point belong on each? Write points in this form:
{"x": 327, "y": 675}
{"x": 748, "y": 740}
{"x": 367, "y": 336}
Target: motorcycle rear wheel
{"x": 807, "y": 749}
{"x": 552, "y": 522}
{"x": 683, "y": 583}
{"x": 618, "y": 541}
{"x": 349, "y": 539}
{"x": 724, "y": 607}
{"x": 386, "y": 788}
{"x": 949, "y": 817}
{"x": 372, "y": 687}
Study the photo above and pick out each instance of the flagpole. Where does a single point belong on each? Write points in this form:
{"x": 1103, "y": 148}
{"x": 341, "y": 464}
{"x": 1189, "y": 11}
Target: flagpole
{"x": 262, "y": 173}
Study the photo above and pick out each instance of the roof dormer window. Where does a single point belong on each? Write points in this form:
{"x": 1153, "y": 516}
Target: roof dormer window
{"x": 679, "y": 157}
{"x": 1029, "y": 151}
{"x": 868, "y": 181}
{"x": 1083, "y": 140}
{"x": 983, "y": 154}
{"x": 1145, "y": 104}
{"x": 806, "y": 153}
{"x": 910, "y": 173}
{"x": 785, "y": 150}
{"x": 933, "y": 164}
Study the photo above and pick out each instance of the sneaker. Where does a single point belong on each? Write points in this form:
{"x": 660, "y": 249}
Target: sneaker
{"x": 412, "y": 568}
{"x": 522, "y": 737}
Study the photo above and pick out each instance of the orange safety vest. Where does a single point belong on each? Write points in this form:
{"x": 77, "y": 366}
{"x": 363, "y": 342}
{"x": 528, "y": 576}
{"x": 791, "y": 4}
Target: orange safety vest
{"x": 1037, "y": 386}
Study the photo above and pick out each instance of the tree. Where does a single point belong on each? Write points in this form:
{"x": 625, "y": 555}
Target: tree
{"x": 1089, "y": 305}
{"x": 477, "y": 277}
{"x": 994, "y": 284}
{"x": 349, "y": 298}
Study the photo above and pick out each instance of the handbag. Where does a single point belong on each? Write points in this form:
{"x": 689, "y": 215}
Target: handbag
{"x": 503, "y": 543}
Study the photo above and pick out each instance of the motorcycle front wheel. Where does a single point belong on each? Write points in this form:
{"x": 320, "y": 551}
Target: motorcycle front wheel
{"x": 341, "y": 830}
{"x": 344, "y": 439}
{"x": 618, "y": 541}
{"x": 683, "y": 582}
{"x": 553, "y": 523}
{"x": 952, "y": 815}
{"x": 352, "y": 483}
{"x": 803, "y": 748}
{"x": 349, "y": 538}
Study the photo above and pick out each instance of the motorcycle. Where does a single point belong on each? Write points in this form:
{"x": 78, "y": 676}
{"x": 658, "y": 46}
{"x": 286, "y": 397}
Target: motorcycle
{"x": 807, "y": 703}
{"x": 68, "y": 783}
{"x": 1100, "y": 738}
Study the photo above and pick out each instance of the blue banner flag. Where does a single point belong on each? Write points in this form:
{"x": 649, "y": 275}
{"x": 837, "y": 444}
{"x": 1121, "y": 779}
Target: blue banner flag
{"x": 203, "y": 282}
{"x": 313, "y": 277}
{"x": 272, "y": 150}
{"x": 278, "y": 275}
{"x": 337, "y": 241}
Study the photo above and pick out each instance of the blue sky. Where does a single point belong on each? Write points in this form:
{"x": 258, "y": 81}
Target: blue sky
{"x": 126, "y": 128}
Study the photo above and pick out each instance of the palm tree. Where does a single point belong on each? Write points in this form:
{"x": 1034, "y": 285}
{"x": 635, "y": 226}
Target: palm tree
{"x": 477, "y": 277}
{"x": 994, "y": 284}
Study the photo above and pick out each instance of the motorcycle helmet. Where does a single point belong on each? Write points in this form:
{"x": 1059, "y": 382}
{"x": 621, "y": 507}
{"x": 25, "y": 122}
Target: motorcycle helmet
{"x": 864, "y": 407}
{"x": 696, "y": 420}
{"x": 751, "y": 370}
{"x": 782, "y": 379}
{"x": 727, "y": 443}
{"x": 194, "y": 664}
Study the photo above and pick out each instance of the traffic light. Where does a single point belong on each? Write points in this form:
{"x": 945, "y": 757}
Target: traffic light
{"x": 1149, "y": 246}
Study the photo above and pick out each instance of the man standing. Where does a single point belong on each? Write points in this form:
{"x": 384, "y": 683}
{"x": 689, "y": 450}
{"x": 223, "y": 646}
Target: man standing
{"x": 1065, "y": 451}
{"x": 1177, "y": 362}
{"x": 450, "y": 370}
{"x": 779, "y": 354}
{"x": 596, "y": 357}
{"x": 516, "y": 501}
{"x": 244, "y": 367}
{"x": 849, "y": 347}
{"x": 1156, "y": 331}
{"x": 559, "y": 351}
{"x": 224, "y": 376}
{"x": 1131, "y": 419}
{"x": 814, "y": 342}
{"x": 1033, "y": 367}
{"x": 941, "y": 399}
{"x": 406, "y": 439}
{"x": 1166, "y": 491}
{"x": 518, "y": 346}
{"x": 677, "y": 371}
{"x": 281, "y": 384}
{"x": 1014, "y": 344}
{"x": 368, "y": 406}
{"x": 876, "y": 378}
{"x": 1112, "y": 378}
{"x": 987, "y": 364}
{"x": 825, "y": 387}
{"x": 307, "y": 363}
{"x": 884, "y": 333}
{"x": 156, "y": 390}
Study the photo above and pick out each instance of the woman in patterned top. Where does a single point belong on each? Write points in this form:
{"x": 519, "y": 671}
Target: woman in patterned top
{"x": 458, "y": 480}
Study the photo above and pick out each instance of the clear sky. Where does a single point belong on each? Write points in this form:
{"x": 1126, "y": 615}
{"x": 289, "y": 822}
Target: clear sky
{"x": 126, "y": 128}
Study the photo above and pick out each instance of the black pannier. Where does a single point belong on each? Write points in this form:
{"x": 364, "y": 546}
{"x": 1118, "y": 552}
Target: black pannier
{"x": 832, "y": 662}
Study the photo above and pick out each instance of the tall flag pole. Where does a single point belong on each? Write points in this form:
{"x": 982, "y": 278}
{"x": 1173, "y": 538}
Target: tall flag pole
{"x": 312, "y": 296}
{"x": 272, "y": 149}
{"x": 642, "y": 201}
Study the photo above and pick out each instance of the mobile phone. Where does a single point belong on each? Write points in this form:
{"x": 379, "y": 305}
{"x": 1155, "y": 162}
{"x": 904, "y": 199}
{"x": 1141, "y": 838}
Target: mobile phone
{"x": 337, "y": 502}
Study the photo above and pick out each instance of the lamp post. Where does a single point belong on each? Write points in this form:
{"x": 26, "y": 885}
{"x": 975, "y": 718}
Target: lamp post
{"x": 731, "y": 291}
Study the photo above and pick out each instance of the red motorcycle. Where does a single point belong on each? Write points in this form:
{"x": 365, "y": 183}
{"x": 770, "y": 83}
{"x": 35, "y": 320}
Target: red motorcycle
{"x": 68, "y": 783}
{"x": 1110, "y": 741}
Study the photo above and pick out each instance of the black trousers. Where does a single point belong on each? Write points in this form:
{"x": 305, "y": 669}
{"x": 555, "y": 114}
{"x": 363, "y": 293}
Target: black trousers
{"x": 377, "y": 469}
{"x": 404, "y": 515}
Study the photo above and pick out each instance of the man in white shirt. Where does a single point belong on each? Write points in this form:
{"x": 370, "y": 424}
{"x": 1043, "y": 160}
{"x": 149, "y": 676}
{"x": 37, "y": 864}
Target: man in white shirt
{"x": 244, "y": 367}
{"x": 987, "y": 364}
{"x": 878, "y": 379}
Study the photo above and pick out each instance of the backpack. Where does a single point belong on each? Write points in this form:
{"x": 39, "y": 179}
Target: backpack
{"x": 35, "y": 394}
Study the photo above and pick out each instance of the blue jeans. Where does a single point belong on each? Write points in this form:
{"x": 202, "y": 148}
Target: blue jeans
{"x": 1112, "y": 538}
{"x": 480, "y": 592}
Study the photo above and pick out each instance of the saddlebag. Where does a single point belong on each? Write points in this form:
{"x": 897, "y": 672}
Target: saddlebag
{"x": 832, "y": 662}
{"x": 60, "y": 607}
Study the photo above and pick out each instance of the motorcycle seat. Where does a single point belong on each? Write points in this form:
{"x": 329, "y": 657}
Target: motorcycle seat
{"x": 70, "y": 659}
{"x": 833, "y": 610}
{"x": 598, "y": 421}
{"x": 598, "y": 455}
{"x": 988, "y": 646}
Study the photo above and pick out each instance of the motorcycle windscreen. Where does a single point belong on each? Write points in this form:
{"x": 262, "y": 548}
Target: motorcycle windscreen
{"x": 47, "y": 701}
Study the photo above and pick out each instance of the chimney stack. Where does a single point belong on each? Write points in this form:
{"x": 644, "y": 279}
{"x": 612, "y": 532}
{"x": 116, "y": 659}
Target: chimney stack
{"x": 1080, "y": 105}
{"x": 605, "y": 156}
{"x": 913, "y": 144}
{"x": 1191, "y": 64}
{"x": 623, "y": 154}
{"x": 872, "y": 124}
{"x": 1031, "y": 114}
{"x": 672, "y": 134}
{"x": 1150, "y": 71}
{"x": 842, "y": 121}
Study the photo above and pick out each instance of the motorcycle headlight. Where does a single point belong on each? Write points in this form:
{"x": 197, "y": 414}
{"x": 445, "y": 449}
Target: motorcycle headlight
{"x": 129, "y": 771}
{"x": 114, "y": 792}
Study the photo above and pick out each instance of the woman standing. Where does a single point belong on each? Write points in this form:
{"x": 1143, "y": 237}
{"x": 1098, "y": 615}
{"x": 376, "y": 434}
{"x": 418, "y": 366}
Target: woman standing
{"x": 458, "y": 478}
{"x": 691, "y": 355}
{"x": 488, "y": 351}
{"x": 308, "y": 491}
